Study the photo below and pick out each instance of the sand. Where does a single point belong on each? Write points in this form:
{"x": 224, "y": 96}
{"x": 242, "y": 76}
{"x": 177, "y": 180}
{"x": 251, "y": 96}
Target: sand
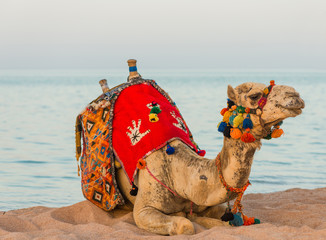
{"x": 291, "y": 214}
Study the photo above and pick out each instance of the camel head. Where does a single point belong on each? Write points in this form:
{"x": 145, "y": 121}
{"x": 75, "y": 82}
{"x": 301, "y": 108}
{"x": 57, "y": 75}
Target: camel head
{"x": 280, "y": 103}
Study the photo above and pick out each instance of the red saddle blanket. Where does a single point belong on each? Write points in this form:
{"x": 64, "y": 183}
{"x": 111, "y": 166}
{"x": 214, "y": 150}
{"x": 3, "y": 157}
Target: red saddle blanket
{"x": 136, "y": 133}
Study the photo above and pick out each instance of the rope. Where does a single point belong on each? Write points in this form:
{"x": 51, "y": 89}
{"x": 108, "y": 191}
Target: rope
{"x": 237, "y": 204}
{"x": 150, "y": 173}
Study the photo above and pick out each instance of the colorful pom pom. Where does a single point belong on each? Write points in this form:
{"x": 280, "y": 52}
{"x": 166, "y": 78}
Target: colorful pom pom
{"x": 223, "y": 111}
{"x": 237, "y": 221}
{"x": 247, "y": 137}
{"x": 272, "y": 82}
{"x": 231, "y": 119}
{"x": 155, "y": 109}
{"x": 227, "y": 131}
{"x": 268, "y": 137}
{"x": 235, "y": 133}
{"x": 238, "y": 120}
{"x": 277, "y": 133}
{"x": 247, "y": 123}
{"x": 227, "y": 115}
{"x": 201, "y": 153}
{"x": 169, "y": 150}
{"x": 227, "y": 216}
{"x": 221, "y": 126}
{"x": 248, "y": 220}
{"x": 134, "y": 190}
{"x": 141, "y": 164}
{"x": 241, "y": 109}
{"x": 230, "y": 103}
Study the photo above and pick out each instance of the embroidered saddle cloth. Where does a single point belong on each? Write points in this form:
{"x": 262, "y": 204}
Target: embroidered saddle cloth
{"x": 125, "y": 124}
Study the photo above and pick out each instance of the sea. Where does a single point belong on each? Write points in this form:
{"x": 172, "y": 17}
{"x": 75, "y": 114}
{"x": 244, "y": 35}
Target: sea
{"x": 38, "y": 109}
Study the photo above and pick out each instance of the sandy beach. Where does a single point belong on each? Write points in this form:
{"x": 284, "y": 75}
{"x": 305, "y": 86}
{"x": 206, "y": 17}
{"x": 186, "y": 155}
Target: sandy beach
{"x": 292, "y": 214}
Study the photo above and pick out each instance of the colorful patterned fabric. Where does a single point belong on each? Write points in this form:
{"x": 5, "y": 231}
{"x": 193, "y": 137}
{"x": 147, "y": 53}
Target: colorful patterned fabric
{"x": 98, "y": 183}
{"x": 127, "y": 123}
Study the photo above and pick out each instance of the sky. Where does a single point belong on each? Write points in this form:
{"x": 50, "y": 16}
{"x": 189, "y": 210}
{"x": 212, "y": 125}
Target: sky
{"x": 282, "y": 34}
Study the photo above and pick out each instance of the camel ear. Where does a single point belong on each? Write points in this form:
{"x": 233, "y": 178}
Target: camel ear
{"x": 232, "y": 94}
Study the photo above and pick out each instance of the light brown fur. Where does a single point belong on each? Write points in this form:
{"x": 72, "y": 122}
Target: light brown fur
{"x": 195, "y": 179}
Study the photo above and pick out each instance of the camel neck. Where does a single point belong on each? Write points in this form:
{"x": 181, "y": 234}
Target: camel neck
{"x": 236, "y": 160}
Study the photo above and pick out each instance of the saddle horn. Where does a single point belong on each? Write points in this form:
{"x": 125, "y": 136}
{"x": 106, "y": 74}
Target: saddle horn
{"x": 104, "y": 85}
{"x": 132, "y": 69}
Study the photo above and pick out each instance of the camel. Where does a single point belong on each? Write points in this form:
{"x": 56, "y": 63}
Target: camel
{"x": 193, "y": 190}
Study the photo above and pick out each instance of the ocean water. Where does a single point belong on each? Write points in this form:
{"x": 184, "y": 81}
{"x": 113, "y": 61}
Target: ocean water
{"x": 38, "y": 110}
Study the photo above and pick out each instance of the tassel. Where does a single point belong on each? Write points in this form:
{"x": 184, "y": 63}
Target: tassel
{"x": 230, "y": 103}
{"x": 227, "y": 115}
{"x": 241, "y": 109}
{"x": 231, "y": 119}
{"x": 247, "y": 137}
{"x": 235, "y": 133}
{"x": 223, "y": 111}
{"x": 248, "y": 220}
{"x": 237, "y": 221}
{"x": 227, "y": 216}
{"x": 155, "y": 109}
{"x": 227, "y": 131}
{"x": 268, "y": 137}
{"x": 247, "y": 123}
{"x": 277, "y": 132}
{"x": 141, "y": 164}
{"x": 78, "y": 132}
{"x": 221, "y": 126}
{"x": 134, "y": 190}
{"x": 238, "y": 120}
{"x": 201, "y": 153}
{"x": 169, "y": 150}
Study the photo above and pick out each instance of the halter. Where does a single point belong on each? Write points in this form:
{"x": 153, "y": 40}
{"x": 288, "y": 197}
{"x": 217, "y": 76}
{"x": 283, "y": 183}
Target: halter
{"x": 235, "y": 126}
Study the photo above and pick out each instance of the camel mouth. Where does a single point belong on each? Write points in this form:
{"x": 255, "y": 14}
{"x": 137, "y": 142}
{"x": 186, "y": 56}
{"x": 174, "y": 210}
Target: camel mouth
{"x": 294, "y": 110}
{"x": 274, "y": 123}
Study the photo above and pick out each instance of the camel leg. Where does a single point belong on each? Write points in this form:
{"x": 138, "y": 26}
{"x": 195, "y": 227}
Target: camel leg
{"x": 210, "y": 217}
{"x": 216, "y": 211}
{"x": 208, "y": 222}
{"x": 153, "y": 220}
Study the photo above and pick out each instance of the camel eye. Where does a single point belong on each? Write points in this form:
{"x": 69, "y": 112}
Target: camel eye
{"x": 255, "y": 96}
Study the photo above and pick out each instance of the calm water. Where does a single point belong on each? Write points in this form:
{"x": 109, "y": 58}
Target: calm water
{"x": 38, "y": 110}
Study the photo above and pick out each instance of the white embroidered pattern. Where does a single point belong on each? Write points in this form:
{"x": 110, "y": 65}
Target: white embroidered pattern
{"x": 135, "y": 135}
{"x": 180, "y": 123}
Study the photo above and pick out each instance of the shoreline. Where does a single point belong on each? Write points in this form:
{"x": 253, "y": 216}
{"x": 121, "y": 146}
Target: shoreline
{"x": 291, "y": 214}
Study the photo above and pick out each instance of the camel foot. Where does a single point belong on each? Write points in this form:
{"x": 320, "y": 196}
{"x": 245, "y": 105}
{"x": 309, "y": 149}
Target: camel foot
{"x": 153, "y": 220}
{"x": 182, "y": 226}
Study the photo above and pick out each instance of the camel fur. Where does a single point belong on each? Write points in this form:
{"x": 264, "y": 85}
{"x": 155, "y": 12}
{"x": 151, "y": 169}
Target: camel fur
{"x": 196, "y": 179}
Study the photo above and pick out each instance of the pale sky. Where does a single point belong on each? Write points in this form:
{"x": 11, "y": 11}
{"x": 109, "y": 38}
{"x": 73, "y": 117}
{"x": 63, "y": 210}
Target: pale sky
{"x": 163, "y": 34}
